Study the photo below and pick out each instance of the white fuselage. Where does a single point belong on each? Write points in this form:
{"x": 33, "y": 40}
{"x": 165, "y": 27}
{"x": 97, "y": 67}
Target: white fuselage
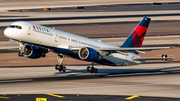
{"x": 49, "y": 37}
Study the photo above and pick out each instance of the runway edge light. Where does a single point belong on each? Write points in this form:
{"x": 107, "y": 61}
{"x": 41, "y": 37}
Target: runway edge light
{"x": 41, "y": 99}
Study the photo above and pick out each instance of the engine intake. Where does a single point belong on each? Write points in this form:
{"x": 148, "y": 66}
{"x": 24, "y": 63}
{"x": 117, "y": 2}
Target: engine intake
{"x": 89, "y": 54}
{"x": 33, "y": 51}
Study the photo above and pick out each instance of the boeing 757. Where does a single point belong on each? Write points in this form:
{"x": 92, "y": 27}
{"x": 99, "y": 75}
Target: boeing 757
{"x": 36, "y": 40}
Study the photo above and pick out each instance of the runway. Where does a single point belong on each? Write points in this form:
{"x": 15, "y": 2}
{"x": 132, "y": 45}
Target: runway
{"x": 6, "y": 5}
{"x": 79, "y": 97}
{"x": 158, "y": 80}
{"x": 115, "y": 8}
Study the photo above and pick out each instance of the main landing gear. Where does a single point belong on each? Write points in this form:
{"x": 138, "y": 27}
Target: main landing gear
{"x": 164, "y": 56}
{"x": 91, "y": 69}
{"x": 60, "y": 67}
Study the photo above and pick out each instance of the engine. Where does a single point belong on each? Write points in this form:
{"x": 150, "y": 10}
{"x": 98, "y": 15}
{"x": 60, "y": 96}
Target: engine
{"x": 89, "y": 54}
{"x": 33, "y": 52}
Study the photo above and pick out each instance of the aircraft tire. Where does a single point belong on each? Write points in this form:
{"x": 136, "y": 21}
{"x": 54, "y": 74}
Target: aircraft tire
{"x": 43, "y": 55}
{"x": 95, "y": 70}
{"x": 20, "y": 54}
{"x": 57, "y": 67}
{"x": 92, "y": 70}
{"x": 88, "y": 69}
{"x": 64, "y": 69}
{"x": 60, "y": 68}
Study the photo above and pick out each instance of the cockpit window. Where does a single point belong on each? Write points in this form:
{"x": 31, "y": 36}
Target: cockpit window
{"x": 18, "y": 27}
{"x": 15, "y": 26}
{"x": 12, "y": 26}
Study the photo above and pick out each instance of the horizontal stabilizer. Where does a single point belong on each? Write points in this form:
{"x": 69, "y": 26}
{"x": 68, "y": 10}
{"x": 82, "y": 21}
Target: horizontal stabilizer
{"x": 151, "y": 58}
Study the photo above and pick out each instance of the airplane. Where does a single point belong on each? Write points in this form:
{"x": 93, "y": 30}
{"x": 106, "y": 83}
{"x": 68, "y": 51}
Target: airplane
{"x": 36, "y": 41}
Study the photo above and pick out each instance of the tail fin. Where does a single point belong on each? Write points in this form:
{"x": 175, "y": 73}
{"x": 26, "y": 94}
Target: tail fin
{"x": 136, "y": 38}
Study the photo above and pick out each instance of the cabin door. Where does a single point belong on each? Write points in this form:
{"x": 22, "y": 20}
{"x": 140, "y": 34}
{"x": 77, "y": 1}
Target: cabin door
{"x": 28, "y": 30}
{"x": 56, "y": 37}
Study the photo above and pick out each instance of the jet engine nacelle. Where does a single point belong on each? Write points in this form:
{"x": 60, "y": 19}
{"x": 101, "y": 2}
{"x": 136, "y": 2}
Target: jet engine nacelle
{"x": 89, "y": 54}
{"x": 33, "y": 51}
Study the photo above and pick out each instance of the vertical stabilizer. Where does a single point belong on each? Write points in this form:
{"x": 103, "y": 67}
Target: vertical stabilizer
{"x": 136, "y": 38}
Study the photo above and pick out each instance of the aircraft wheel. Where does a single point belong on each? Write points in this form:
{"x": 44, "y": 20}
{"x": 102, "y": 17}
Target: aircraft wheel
{"x": 64, "y": 69}
{"x": 92, "y": 70}
{"x": 43, "y": 55}
{"x": 60, "y": 68}
{"x": 20, "y": 54}
{"x": 88, "y": 69}
{"x": 164, "y": 56}
{"x": 95, "y": 70}
{"x": 57, "y": 67}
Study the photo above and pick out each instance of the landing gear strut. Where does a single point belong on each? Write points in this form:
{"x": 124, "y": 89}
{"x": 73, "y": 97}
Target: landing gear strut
{"x": 91, "y": 69}
{"x": 21, "y": 47}
{"x": 60, "y": 67}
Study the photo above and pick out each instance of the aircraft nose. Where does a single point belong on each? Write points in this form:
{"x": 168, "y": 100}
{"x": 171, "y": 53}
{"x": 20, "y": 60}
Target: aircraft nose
{"x": 7, "y": 32}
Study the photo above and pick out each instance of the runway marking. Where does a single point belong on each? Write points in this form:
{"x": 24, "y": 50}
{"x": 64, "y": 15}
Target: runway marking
{"x": 132, "y": 97}
{"x": 107, "y": 82}
{"x": 41, "y": 99}
{"x": 4, "y": 97}
{"x": 27, "y": 73}
{"x": 69, "y": 83}
{"x": 61, "y": 20}
{"x": 56, "y": 95}
{"x": 16, "y": 80}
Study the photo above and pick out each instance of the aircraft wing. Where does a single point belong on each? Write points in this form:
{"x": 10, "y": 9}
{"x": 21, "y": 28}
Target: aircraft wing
{"x": 124, "y": 50}
{"x": 151, "y": 58}
{"x": 10, "y": 48}
{"x": 140, "y": 50}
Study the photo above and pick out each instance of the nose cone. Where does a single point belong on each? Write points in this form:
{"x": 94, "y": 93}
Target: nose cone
{"x": 7, "y": 32}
